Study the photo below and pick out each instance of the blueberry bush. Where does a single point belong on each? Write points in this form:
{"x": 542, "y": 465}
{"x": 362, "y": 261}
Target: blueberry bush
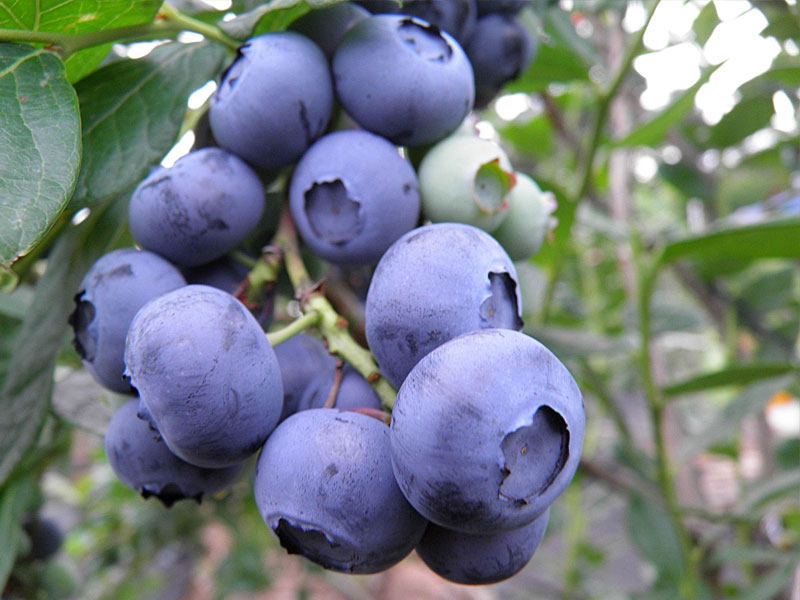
{"x": 392, "y": 299}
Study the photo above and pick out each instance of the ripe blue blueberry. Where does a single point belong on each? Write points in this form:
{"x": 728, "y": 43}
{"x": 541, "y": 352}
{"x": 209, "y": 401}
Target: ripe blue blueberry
{"x": 433, "y": 284}
{"x": 45, "y": 536}
{"x": 500, "y": 49}
{"x": 144, "y": 463}
{"x": 274, "y": 100}
{"x": 327, "y": 26}
{"x": 475, "y": 559}
{"x": 205, "y": 205}
{"x": 354, "y": 391}
{"x": 116, "y": 286}
{"x": 324, "y": 486}
{"x": 352, "y": 195}
{"x": 404, "y": 79}
{"x": 509, "y": 7}
{"x": 487, "y": 432}
{"x": 301, "y": 359}
{"x": 207, "y": 377}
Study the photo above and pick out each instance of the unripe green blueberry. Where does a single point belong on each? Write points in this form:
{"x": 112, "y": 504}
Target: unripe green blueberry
{"x": 465, "y": 179}
{"x": 529, "y": 208}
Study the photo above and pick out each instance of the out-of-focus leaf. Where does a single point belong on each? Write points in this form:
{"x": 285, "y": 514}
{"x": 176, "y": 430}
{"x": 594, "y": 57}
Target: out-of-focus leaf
{"x": 14, "y": 502}
{"x": 787, "y": 454}
{"x": 553, "y": 64}
{"x": 25, "y": 394}
{"x": 243, "y": 26}
{"x": 783, "y": 24}
{"x": 40, "y": 146}
{"x": 705, "y": 23}
{"x": 747, "y": 184}
{"x": 747, "y": 554}
{"x": 747, "y": 117}
{"x": 651, "y": 530}
{"x": 784, "y": 70}
{"x": 778, "y": 486}
{"x": 735, "y": 375}
{"x": 578, "y": 342}
{"x": 688, "y": 179}
{"x": 778, "y": 239}
{"x": 654, "y": 131}
{"x": 771, "y": 290}
{"x": 534, "y": 138}
{"x": 280, "y": 20}
{"x": 132, "y": 111}
{"x": 770, "y": 585}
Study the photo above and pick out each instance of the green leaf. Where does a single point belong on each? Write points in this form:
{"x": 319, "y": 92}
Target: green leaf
{"x": 40, "y": 148}
{"x": 747, "y": 554}
{"x": 553, "y": 64}
{"x": 687, "y": 178}
{"x": 25, "y": 394}
{"x": 534, "y": 138}
{"x": 777, "y": 239}
{"x": 787, "y": 454}
{"x": 651, "y": 530}
{"x": 132, "y": 111}
{"x": 735, "y": 375}
{"x": 654, "y": 131}
{"x": 244, "y": 26}
{"x": 77, "y": 16}
{"x": 769, "y": 585}
{"x": 705, "y": 23}
{"x": 14, "y": 503}
{"x": 747, "y": 117}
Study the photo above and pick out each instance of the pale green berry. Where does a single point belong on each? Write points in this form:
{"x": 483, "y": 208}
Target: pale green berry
{"x": 529, "y": 219}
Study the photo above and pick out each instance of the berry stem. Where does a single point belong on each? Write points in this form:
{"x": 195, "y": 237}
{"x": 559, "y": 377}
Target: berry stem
{"x": 332, "y": 326}
{"x": 309, "y": 319}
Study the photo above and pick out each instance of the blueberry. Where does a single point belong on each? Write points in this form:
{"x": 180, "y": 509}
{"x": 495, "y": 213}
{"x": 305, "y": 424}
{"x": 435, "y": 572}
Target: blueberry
{"x": 528, "y": 222}
{"x": 352, "y": 195}
{"x": 45, "y": 535}
{"x": 500, "y": 49}
{"x": 116, "y": 286}
{"x": 433, "y": 284}
{"x": 509, "y": 7}
{"x": 205, "y": 205}
{"x": 274, "y": 100}
{"x": 404, "y": 79}
{"x": 487, "y": 432}
{"x": 354, "y": 391}
{"x": 144, "y": 463}
{"x": 466, "y": 179}
{"x": 301, "y": 359}
{"x": 208, "y": 379}
{"x": 456, "y": 17}
{"x": 475, "y": 559}
{"x": 325, "y": 488}
{"x": 326, "y": 26}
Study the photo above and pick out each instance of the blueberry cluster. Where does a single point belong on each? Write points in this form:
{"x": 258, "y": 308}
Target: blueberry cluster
{"x": 487, "y": 428}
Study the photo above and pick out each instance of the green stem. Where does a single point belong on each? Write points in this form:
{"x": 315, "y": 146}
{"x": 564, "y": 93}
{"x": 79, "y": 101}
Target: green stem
{"x": 168, "y": 23}
{"x": 309, "y": 319}
{"x": 331, "y": 325}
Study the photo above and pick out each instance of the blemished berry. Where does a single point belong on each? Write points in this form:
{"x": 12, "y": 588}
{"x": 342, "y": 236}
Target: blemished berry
{"x": 301, "y": 359}
{"x": 324, "y": 486}
{"x": 207, "y": 378}
{"x": 45, "y": 536}
{"x": 352, "y": 195}
{"x": 354, "y": 391}
{"x": 487, "y": 432}
{"x": 404, "y": 79}
{"x": 433, "y": 284}
{"x": 274, "y": 100}
{"x": 475, "y": 559}
{"x": 205, "y": 205}
{"x": 144, "y": 463}
{"x": 500, "y": 49}
{"x": 466, "y": 179}
{"x": 327, "y": 26}
{"x": 456, "y": 17}
{"x": 529, "y": 219}
{"x": 111, "y": 293}
{"x": 509, "y": 7}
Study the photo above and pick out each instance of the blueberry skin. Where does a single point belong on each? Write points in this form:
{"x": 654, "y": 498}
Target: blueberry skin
{"x": 354, "y": 391}
{"x": 352, "y": 195}
{"x": 327, "y": 26}
{"x": 111, "y": 293}
{"x": 474, "y": 559}
{"x": 301, "y": 359}
{"x": 207, "y": 377}
{"x": 433, "y": 284}
{"x": 509, "y": 7}
{"x": 487, "y": 432}
{"x": 144, "y": 463}
{"x": 45, "y": 537}
{"x": 466, "y": 179}
{"x": 205, "y": 205}
{"x": 500, "y": 50}
{"x": 456, "y": 17}
{"x": 274, "y": 100}
{"x": 528, "y": 221}
{"x": 324, "y": 486}
{"x": 404, "y": 79}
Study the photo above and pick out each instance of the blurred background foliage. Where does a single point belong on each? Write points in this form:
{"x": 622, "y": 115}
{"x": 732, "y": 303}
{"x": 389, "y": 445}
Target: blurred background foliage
{"x": 668, "y": 132}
